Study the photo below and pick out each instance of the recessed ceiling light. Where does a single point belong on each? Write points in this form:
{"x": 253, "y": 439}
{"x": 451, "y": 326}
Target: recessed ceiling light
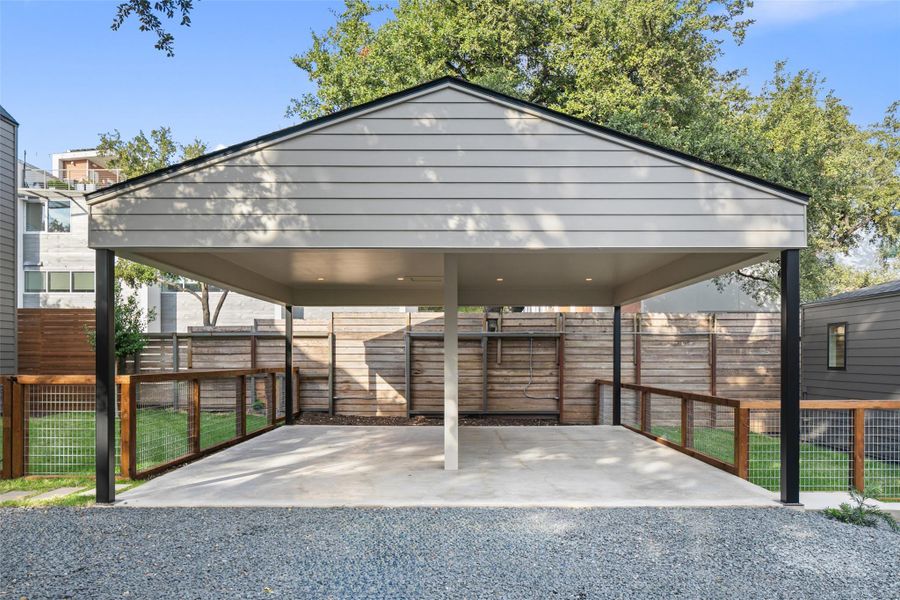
{"x": 320, "y": 279}
{"x": 500, "y": 279}
{"x": 400, "y": 278}
{"x": 588, "y": 278}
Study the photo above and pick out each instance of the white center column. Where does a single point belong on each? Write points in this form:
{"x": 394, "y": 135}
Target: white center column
{"x": 451, "y": 364}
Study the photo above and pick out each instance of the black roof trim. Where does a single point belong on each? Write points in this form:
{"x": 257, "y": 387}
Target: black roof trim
{"x": 5, "y": 115}
{"x": 891, "y": 288}
{"x": 424, "y": 87}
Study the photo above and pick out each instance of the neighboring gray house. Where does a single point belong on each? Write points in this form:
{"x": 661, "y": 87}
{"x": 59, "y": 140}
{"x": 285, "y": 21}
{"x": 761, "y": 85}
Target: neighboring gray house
{"x": 8, "y": 132}
{"x": 851, "y": 345}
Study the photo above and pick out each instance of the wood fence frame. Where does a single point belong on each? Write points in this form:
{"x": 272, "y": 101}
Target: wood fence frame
{"x": 14, "y": 464}
{"x": 742, "y": 408}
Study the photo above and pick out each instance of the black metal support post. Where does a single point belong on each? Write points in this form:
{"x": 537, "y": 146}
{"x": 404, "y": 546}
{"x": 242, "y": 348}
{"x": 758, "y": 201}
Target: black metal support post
{"x": 106, "y": 377}
{"x": 289, "y": 365}
{"x": 617, "y": 366}
{"x": 790, "y": 377}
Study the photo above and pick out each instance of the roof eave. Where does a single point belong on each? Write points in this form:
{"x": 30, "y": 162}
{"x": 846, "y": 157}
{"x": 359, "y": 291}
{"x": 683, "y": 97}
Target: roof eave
{"x": 106, "y": 193}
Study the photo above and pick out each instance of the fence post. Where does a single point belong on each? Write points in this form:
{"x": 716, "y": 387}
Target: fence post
{"x": 6, "y": 470}
{"x": 687, "y": 423}
{"x": 295, "y": 391}
{"x": 598, "y": 394}
{"x": 17, "y": 414}
{"x": 273, "y": 398}
{"x": 176, "y": 359}
{"x": 241, "y": 406}
{"x": 636, "y": 345}
{"x": 331, "y": 357}
{"x": 645, "y": 411}
{"x": 128, "y": 430}
{"x": 194, "y": 417}
{"x": 742, "y": 442}
{"x": 858, "y": 464}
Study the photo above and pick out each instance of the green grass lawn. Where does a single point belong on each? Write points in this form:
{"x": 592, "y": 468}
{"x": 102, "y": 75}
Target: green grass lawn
{"x": 821, "y": 468}
{"x": 63, "y": 443}
{"x": 38, "y": 485}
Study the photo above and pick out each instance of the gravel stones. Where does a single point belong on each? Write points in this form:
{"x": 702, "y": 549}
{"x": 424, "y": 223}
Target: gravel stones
{"x": 441, "y": 553}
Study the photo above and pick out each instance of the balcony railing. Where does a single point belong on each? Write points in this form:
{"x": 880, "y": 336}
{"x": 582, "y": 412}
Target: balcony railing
{"x": 75, "y": 179}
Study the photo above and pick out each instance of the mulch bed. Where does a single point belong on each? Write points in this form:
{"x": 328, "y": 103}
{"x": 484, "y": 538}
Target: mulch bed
{"x": 467, "y": 421}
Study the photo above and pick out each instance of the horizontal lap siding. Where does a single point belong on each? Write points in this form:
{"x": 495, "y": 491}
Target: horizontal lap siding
{"x": 446, "y": 172}
{"x": 873, "y": 350}
{"x": 8, "y": 259}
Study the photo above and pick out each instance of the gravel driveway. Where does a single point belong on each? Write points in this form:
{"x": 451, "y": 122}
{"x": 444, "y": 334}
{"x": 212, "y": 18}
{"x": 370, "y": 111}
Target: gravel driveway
{"x": 441, "y": 553}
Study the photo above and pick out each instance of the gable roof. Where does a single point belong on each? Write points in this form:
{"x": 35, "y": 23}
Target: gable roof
{"x": 465, "y": 86}
{"x": 5, "y": 115}
{"x": 890, "y": 288}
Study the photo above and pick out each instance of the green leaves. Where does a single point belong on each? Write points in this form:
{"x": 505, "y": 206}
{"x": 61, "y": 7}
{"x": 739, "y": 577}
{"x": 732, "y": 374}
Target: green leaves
{"x": 130, "y": 323}
{"x": 645, "y": 68}
{"x": 859, "y": 512}
{"x": 148, "y": 16}
{"x": 141, "y": 154}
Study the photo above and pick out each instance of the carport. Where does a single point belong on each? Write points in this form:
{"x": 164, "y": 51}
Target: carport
{"x": 448, "y": 194}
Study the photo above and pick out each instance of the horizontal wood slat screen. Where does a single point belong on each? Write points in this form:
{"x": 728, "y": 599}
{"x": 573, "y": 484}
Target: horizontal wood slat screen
{"x": 53, "y": 341}
{"x": 728, "y": 354}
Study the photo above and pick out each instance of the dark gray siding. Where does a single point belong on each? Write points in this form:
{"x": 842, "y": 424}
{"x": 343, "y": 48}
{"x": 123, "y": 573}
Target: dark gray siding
{"x": 7, "y": 246}
{"x": 873, "y": 350}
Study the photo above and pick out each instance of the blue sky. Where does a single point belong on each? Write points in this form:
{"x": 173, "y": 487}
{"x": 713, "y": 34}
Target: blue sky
{"x": 66, "y": 77}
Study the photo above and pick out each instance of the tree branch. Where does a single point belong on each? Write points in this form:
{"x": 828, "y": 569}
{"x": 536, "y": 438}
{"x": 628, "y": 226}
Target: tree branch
{"x": 753, "y": 277}
{"x": 192, "y": 293}
{"x": 219, "y": 304}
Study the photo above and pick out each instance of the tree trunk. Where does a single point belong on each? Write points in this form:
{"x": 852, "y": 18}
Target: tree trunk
{"x": 204, "y": 303}
{"x": 215, "y": 317}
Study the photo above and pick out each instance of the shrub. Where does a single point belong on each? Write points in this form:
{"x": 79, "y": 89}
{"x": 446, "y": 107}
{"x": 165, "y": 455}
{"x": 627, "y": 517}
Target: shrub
{"x": 860, "y": 512}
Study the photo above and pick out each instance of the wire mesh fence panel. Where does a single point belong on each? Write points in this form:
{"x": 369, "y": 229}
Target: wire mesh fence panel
{"x": 765, "y": 448}
{"x": 60, "y": 426}
{"x": 711, "y": 430}
{"x": 631, "y": 408}
{"x": 604, "y": 404}
{"x": 665, "y": 417}
{"x": 257, "y": 402}
{"x": 3, "y": 407}
{"x": 882, "y": 452}
{"x": 826, "y": 442}
{"x": 218, "y": 405}
{"x": 162, "y": 422}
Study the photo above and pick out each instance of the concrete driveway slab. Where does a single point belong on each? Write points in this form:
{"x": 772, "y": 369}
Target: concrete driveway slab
{"x": 322, "y": 466}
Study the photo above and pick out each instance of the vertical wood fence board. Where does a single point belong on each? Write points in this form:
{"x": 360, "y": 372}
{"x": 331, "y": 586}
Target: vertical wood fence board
{"x": 367, "y": 372}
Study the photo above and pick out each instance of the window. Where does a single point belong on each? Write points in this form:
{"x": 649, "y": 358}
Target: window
{"x": 34, "y": 216}
{"x": 58, "y": 281}
{"x": 34, "y": 281}
{"x": 55, "y": 219}
{"x": 58, "y": 215}
{"x": 82, "y": 282}
{"x": 837, "y": 345}
{"x": 182, "y": 284}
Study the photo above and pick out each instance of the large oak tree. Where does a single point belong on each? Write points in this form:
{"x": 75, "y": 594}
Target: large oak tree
{"x": 646, "y": 68}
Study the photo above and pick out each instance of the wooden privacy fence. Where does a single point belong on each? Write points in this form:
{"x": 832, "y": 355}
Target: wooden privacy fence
{"x": 163, "y": 419}
{"x": 390, "y": 364}
{"x": 844, "y": 443}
